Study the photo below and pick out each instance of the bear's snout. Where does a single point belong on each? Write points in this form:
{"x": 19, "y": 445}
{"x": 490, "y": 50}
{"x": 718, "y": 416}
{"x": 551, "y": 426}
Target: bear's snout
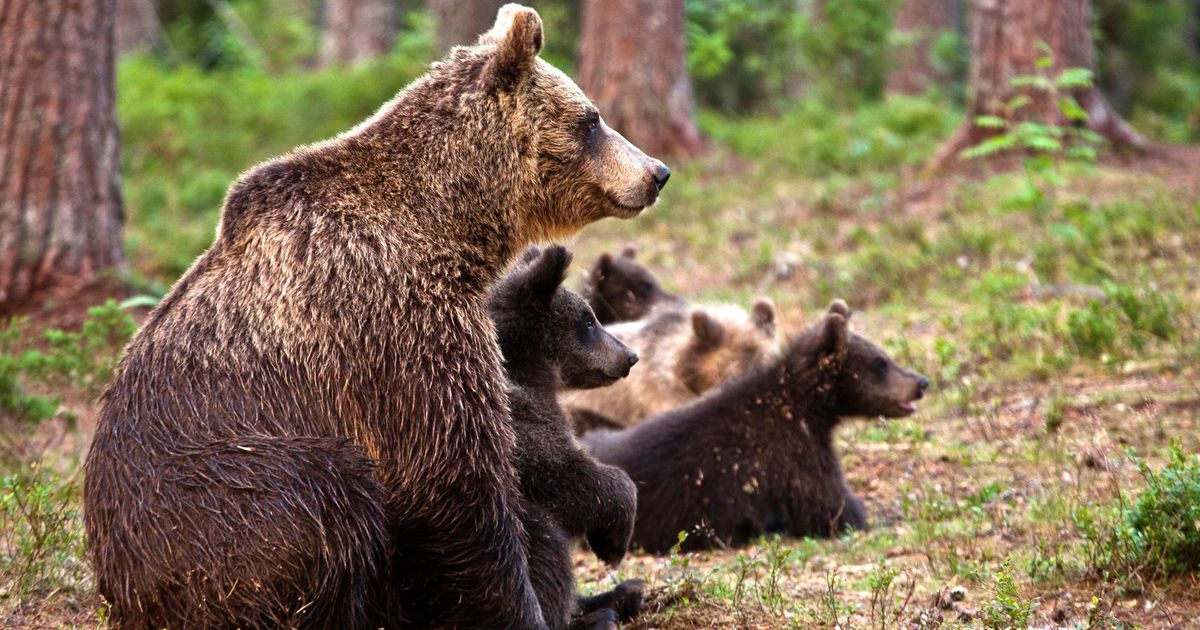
{"x": 922, "y": 385}
{"x": 660, "y": 174}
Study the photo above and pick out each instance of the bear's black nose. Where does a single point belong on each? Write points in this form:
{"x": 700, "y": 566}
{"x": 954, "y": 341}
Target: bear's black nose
{"x": 633, "y": 359}
{"x": 922, "y": 386}
{"x": 661, "y": 175}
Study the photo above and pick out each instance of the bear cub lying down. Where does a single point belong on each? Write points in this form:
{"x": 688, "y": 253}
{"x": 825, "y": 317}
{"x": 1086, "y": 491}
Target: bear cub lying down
{"x": 549, "y": 339}
{"x": 756, "y": 456}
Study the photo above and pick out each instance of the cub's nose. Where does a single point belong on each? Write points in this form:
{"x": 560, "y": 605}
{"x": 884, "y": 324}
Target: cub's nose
{"x": 661, "y": 175}
{"x": 922, "y": 385}
{"x": 633, "y": 358}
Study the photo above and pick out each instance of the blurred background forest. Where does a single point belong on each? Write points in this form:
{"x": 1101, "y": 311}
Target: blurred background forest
{"x": 1007, "y": 190}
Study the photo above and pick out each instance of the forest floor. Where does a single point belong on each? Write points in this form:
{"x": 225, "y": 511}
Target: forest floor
{"x": 1056, "y": 313}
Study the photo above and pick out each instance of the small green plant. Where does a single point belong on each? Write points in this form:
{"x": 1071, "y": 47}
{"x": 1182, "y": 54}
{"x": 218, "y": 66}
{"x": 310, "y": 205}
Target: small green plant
{"x": 1163, "y": 521}
{"x": 87, "y": 358}
{"x": 889, "y": 603}
{"x": 41, "y": 538}
{"x": 1008, "y": 609}
{"x": 15, "y": 402}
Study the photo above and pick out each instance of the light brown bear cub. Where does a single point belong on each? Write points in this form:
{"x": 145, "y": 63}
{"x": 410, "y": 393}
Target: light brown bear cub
{"x": 312, "y": 428}
{"x": 684, "y": 353}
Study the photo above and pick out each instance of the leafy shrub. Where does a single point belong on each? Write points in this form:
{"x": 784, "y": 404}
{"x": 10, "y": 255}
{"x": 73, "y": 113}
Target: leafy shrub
{"x": 1163, "y": 522}
{"x": 41, "y": 536}
{"x": 14, "y": 401}
{"x": 1008, "y": 608}
{"x": 84, "y": 360}
{"x": 1157, "y": 534}
{"x": 742, "y": 55}
{"x": 845, "y": 46}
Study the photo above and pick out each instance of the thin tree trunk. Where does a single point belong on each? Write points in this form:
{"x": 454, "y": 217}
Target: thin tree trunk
{"x": 357, "y": 30}
{"x": 633, "y": 65}
{"x": 921, "y": 21}
{"x": 60, "y": 192}
{"x": 460, "y": 22}
{"x": 1005, "y": 38}
{"x": 137, "y": 26}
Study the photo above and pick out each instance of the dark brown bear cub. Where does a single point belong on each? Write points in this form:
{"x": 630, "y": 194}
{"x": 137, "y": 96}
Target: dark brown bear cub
{"x": 312, "y": 428}
{"x": 619, "y": 289}
{"x": 550, "y": 339}
{"x": 756, "y": 456}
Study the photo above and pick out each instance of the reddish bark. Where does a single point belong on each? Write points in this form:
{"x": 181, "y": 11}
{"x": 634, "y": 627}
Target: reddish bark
{"x": 357, "y": 30}
{"x": 60, "y": 193}
{"x": 460, "y": 22}
{"x": 921, "y": 21}
{"x": 633, "y": 65}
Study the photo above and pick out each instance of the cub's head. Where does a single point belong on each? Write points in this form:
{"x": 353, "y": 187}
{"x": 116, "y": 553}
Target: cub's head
{"x": 575, "y": 168}
{"x": 539, "y": 322}
{"x": 862, "y": 380}
{"x": 725, "y": 342}
{"x": 620, "y": 289}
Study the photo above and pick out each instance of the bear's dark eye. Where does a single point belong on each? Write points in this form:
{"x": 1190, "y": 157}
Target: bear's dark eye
{"x": 591, "y": 123}
{"x": 879, "y": 367}
{"x": 587, "y": 323}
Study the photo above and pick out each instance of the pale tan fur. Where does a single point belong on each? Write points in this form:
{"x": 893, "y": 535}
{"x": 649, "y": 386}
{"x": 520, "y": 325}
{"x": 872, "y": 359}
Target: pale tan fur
{"x": 684, "y": 352}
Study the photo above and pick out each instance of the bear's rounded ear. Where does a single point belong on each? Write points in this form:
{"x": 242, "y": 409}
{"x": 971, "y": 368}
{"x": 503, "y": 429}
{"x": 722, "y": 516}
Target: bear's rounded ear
{"x": 530, "y": 254}
{"x": 763, "y": 316}
{"x": 839, "y": 306}
{"x": 706, "y": 327}
{"x": 518, "y": 36}
{"x": 629, "y": 252}
{"x": 605, "y": 262}
{"x": 835, "y": 334}
{"x": 546, "y": 272}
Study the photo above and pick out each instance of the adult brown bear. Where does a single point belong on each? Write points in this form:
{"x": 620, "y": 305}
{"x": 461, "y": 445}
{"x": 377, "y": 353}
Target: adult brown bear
{"x": 312, "y": 427}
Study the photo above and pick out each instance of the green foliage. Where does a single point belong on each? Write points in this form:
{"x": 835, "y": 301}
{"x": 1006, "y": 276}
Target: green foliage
{"x": 1163, "y": 522}
{"x": 845, "y": 46}
{"x": 1157, "y": 534}
{"x": 814, "y": 139}
{"x": 82, "y": 360}
{"x": 41, "y": 537}
{"x": 743, "y": 55}
{"x": 15, "y": 402}
{"x": 1013, "y": 133}
{"x": 1008, "y": 609}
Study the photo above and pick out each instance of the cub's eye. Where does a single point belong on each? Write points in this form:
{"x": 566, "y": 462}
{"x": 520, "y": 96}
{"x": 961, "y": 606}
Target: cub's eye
{"x": 879, "y": 367}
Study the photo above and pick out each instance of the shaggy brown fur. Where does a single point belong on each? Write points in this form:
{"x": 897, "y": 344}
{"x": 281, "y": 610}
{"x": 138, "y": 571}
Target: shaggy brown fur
{"x": 685, "y": 352}
{"x": 757, "y": 455}
{"x": 620, "y": 289}
{"x": 550, "y": 338}
{"x": 312, "y": 427}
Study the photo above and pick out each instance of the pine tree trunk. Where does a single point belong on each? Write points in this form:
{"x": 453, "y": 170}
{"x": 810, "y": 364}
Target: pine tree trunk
{"x": 921, "y": 21}
{"x": 357, "y": 30}
{"x": 1005, "y": 38}
{"x": 60, "y": 192}
{"x": 633, "y": 65}
{"x": 460, "y": 22}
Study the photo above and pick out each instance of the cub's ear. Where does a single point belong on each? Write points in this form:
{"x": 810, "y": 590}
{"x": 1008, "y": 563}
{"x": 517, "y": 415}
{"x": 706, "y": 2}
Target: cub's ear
{"x": 546, "y": 273}
{"x": 763, "y": 315}
{"x": 835, "y": 335}
{"x": 530, "y": 254}
{"x": 839, "y": 307}
{"x": 518, "y": 36}
{"x": 706, "y": 327}
{"x": 629, "y": 252}
{"x": 605, "y": 262}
